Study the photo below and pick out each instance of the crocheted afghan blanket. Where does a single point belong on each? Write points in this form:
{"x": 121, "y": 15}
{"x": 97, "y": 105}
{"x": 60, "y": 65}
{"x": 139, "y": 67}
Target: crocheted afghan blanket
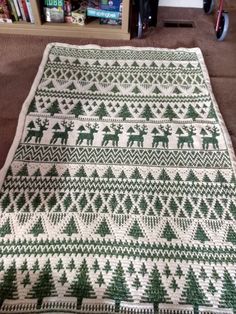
{"x": 118, "y": 194}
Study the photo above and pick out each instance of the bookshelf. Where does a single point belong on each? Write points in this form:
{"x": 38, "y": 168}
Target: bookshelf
{"x": 91, "y": 30}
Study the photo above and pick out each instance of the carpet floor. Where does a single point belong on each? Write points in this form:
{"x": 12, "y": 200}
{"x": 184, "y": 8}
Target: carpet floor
{"x": 21, "y": 56}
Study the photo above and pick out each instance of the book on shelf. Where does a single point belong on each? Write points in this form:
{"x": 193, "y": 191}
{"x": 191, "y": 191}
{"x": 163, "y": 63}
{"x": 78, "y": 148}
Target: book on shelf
{"x": 5, "y": 15}
{"x": 103, "y": 13}
{"x": 30, "y": 11}
{"x": 54, "y": 11}
{"x": 13, "y": 10}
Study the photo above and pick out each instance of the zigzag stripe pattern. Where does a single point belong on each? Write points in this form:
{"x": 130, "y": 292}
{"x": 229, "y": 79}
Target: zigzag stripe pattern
{"x": 160, "y": 158}
{"x": 75, "y": 184}
{"x": 97, "y": 54}
{"x": 108, "y": 248}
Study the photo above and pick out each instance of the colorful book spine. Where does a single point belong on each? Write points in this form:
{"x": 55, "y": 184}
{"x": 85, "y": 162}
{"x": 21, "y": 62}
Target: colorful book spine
{"x": 13, "y": 10}
{"x": 25, "y": 10}
{"x": 103, "y": 14}
{"x": 31, "y": 15}
{"x": 22, "y": 10}
{"x": 17, "y": 9}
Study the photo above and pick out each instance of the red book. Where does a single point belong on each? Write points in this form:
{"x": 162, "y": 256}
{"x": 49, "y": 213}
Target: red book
{"x": 25, "y": 10}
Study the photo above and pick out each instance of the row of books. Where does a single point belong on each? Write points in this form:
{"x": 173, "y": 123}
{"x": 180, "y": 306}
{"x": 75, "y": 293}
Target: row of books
{"x": 78, "y": 12}
{"x": 16, "y": 10}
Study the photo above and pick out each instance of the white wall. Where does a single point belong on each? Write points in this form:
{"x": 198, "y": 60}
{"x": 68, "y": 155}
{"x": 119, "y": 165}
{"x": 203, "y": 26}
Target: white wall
{"x": 182, "y": 3}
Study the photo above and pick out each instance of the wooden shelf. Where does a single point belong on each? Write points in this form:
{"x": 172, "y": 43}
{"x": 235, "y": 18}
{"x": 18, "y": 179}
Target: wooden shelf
{"x": 91, "y": 30}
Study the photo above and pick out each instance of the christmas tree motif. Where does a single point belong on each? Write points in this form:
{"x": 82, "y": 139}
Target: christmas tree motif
{"x": 188, "y": 207}
{"x": 136, "y": 283}
{"x": 44, "y": 286}
{"x": 87, "y": 136}
{"x": 81, "y": 173}
{"x": 193, "y": 293}
{"x": 59, "y": 265}
{"x": 192, "y": 113}
{"x": 113, "y": 137}
{"x": 5, "y": 229}
{"x": 174, "y": 286}
{"x": 218, "y": 209}
{"x": 179, "y": 132}
{"x": 170, "y": 114}
{"x": 37, "y": 134}
{"x": 228, "y": 296}
{"x": 95, "y": 266}
{"x": 211, "y": 288}
{"x": 147, "y": 113}
{"x": 66, "y": 174}
{"x": 220, "y": 178}
{"x": 98, "y": 202}
{"x": 200, "y": 234}
{"x": 26, "y": 281}
{"x": 168, "y": 233}
{"x": 124, "y": 112}
{"x": 192, "y": 177}
{"x": 214, "y": 274}
{"x": 71, "y": 265}
{"x": 52, "y": 201}
{"x": 136, "y": 175}
{"x": 128, "y": 204}
{"x": 100, "y": 280}
{"x": 103, "y": 228}
{"x": 37, "y": 173}
{"x": 63, "y": 279}
{"x": 207, "y": 140}
{"x": 54, "y": 108}
{"x": 143, "y": 270}
{"x": 187, "y": 139}
{"x": 155, "y": 292}
{"x": 203, "y": 208}
{"x": 67, "y": 201}
{"x": 164, "y": 138}
{"x": 232, "y": 209}
{"x": 164, "y": 176}
{"x": 138, "y": 138}
{"x": 52, "y": 172}
{"x": 101, "y": 111}
{"x": 212, "y": 113}
{"x": 37, "y": 228}
{"x": 203, "y": 274}
{"x": 179, "y": 273}
{"x": 32, "y": 106}
{"x": 231, "y": 235}
{"x": 131, "y": 269}
{"x": 21, "y": 202}
{"x": 6, "y": 201}
{"x": 203, "y": 133}
{"x": 81, "y": 286}
{"x": 78, "y": 110}
{"x": 167, "y": 271}
{"x": 8, "y": 285}
{"x": 35, "y": 267}
{"x": 107, "y": 268}
{"x": 24, "y": 266}
{"x": 23, "y": 172}
{"x": 135, "y": 231}
{"x": 36, "y": 202}
{"x": 118, "y": 289}
{"x": 63, "y": 136}
{"x": 70, "y": 227}
{"x": 173, "y": 206}
{"x": 113, "y": 203}
{"x": 109, "y": 174}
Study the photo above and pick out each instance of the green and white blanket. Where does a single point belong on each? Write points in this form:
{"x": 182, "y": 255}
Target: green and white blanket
{"x": 118, "y": 194}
